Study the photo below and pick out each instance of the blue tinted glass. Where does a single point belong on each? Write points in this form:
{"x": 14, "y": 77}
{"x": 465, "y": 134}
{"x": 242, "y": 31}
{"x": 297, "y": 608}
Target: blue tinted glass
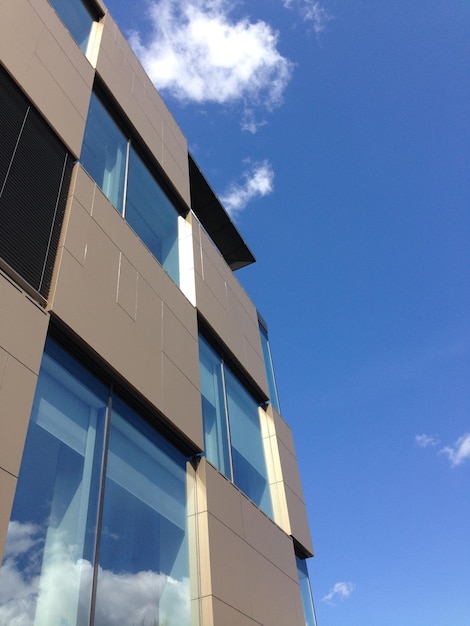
{"x": 268, "y": 363}
{"x": 213, "y": 409}
{"x": 104, "y": 153}
{"x": 77, "y": 17}
{"x": 48, "y": 559}
{"x": 307, "y": 602}
{"x": 152, "y": 216}
{"x": 249, "y": 464}
{"x": 144, "y": 571}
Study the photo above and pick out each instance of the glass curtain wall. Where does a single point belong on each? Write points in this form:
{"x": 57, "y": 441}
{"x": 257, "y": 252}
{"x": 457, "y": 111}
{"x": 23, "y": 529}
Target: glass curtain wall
{"x": 232, "y": 429}
{"x": 78, "y": 497}
{"x": 307, "y": 600}
{"x": 113, "y": 163}
{"x": 268, "y": 364}
{"x": 77, "y": 17}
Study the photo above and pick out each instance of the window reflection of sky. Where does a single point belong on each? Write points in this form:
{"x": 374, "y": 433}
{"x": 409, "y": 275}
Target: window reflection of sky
{"x": 48, "y": 568}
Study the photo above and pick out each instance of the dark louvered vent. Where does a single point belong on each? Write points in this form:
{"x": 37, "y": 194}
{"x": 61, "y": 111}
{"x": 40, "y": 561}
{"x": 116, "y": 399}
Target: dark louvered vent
{"x": 35, "y": 170}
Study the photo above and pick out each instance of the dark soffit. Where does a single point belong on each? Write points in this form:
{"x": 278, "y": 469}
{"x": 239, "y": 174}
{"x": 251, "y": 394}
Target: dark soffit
{"x": 216, "y": 220}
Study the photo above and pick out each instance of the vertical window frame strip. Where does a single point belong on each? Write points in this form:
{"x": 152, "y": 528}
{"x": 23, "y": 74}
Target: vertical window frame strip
{"x": 227, "y": 420}
{"x": 99, "y": 521}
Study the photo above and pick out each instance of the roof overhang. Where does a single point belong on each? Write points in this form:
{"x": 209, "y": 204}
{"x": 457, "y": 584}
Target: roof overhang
{"x": 216, "y": 221}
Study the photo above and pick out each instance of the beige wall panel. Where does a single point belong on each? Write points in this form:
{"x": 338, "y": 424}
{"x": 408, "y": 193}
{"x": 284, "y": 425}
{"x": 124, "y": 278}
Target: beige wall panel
{"x": 298, "y": 520}
{"x": 67, "y": 67}
{"x": 23, "y": 325}
{"x": 225, "y": 615}
{"x": 196, "y": 228}
{"x": 7, "y": 491}
{"x": 148, "y": 268}
{"x": 76, "y": 226}
{"x": 290, "y": 470}
{"x": 128, "y": 279}
{"x": 181, "y": 402}
{"x": 17, "y": 386}
{"x": 276, "y": 597}
{"x": 17, "y": 45}
{"x": 223, "y": 499}
{"x": 180, "y": 346}
{"x": 268, "y": 539}
{"x": 61, "y": 91}
{"x": 282, "y": 429}
{"x": 224, "y": 304}
{"x": 214, "y": 278}
{"x": 51, "y": 100}
{"x": 227, "y": 549}
{"x": 82, "y": 187}
{"x": 263, "y": 583}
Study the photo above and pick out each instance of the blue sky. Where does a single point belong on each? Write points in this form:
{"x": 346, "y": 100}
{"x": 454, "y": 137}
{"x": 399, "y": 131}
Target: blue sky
{"x": 337, "y": 133}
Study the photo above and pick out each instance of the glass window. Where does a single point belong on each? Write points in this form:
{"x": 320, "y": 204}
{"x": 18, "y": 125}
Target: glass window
{"x": 78, "y": 18}
{"x": 143, "y": 575}
{"x": 268, "y": 363}
{"x": 104, "y": 153}
{"x": 216, "y": 440}
{"x": 51, "y": 575}
{"x": 46, "y": 574}
{"x": 130, "y": 186}
{"x": 232, "y": 430}
{"x": 152, "y": 216}
{"x": 249, "y": 464}
{"x": 307, "y": 600}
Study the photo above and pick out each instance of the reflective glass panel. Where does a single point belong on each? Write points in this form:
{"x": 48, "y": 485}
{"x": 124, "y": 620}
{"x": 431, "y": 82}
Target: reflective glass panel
{"x": 104, "y": 153}
{"x": 307, "y": 602}
{"x": 152, "y": 216}
{"x": 216, "y": 440}
{"x": 143, "y": 574}
{"x": 77, "y": 17}
{"x": 46, "y": 575}
{"x": 268, "y": 363}
{"x": 249, "y": 463}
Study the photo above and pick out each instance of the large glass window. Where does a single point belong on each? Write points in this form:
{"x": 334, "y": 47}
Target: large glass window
{"x": 307, "y": 601}
{"x": 111, "y": 160}
{"x": 78, "y": 498}
{"x": 78, "y": 17}
{"x": 268, "y": 363}
{"x": 232, "y": 430}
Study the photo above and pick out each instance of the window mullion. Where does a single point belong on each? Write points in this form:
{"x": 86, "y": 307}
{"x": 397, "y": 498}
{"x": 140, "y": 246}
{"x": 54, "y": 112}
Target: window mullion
{"x": 126, "y": 176}
{"x": 99, "y": 521}
{"x": 227, "y": 420}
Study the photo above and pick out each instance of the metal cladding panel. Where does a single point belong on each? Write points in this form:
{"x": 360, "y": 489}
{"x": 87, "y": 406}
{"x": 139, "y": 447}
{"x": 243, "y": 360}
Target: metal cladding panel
{"x": 35, "y": 171}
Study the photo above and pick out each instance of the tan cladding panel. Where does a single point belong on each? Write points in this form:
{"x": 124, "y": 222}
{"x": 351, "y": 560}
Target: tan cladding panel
{"x": 110, "y": 290}
{"x": 43, "y": 58}
{"x": 285, "y": 479}
{"x": 223, "y": 302}
{"x": 124, "y": 76}
{"x": 233, "y": 532}
{"x": 7, "y": 491}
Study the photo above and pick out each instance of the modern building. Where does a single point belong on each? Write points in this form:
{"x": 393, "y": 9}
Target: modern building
{"x": 146, "y": 474}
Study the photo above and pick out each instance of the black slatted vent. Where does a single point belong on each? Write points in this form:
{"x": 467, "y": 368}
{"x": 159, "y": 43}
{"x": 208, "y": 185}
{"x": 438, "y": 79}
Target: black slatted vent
{"x": 35, "y": 171}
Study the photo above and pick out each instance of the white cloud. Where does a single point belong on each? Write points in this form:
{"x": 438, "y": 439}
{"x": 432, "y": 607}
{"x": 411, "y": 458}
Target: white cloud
{"x": 423, "y": 440}
{"x": 459, "y": 452}
{"x": 311, "y": 11}
{"x": 257, "y": 182}
{"x": 198, "y": 53}
{"x": 340, "y": 590}
{"x": 62, "y": 590}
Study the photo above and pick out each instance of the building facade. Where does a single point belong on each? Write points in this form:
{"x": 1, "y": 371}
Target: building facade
{"x": 146, "y": 474}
